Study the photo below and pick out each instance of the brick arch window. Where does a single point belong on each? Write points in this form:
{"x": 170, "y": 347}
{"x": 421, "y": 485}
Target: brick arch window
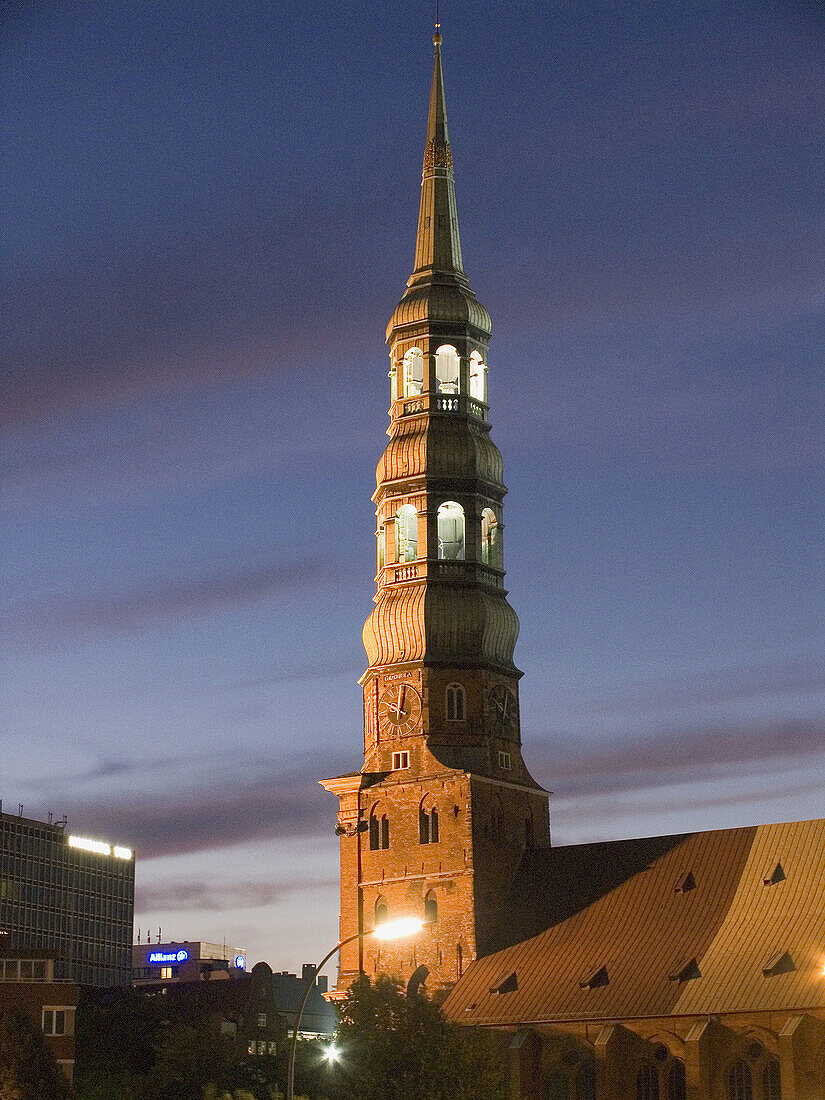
{"x": 447, "y": 369}
{"x": 455, "y": 703}
{"x": 675, "y": 1083}
{"x": 379, "y": 830}
{"x": 740, "y": 1083}
{"x": 430, "y": 907}
{"x": 382, "y": 912}
{"x": 586, "y": 1082}
{"x": 427, "y": 823}
{"x": 771, "y": 1081}
{"x": 450, "y": 521}
{"x": 647, "y": 1083}
{"x": 406, "y": 533}
{"x": 413, "y": 372}
{"x": 558, "y": 1086}
{"x": 490, "y": 543}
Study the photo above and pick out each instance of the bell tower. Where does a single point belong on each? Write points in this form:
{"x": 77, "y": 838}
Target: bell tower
{"x": 437, "y": 821}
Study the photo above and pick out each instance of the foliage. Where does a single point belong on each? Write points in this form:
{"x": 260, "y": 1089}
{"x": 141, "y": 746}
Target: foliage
{"x": 395, "y": 1046}
{"x": 28, "y": 1070}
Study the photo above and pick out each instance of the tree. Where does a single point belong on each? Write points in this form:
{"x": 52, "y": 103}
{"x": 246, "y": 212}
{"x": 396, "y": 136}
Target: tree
{"x": 394, "y": 1046}
{"x": 28, "y": 1070}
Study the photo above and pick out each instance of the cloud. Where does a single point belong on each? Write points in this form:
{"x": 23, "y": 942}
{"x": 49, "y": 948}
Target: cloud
{"x": 139, "y": 607}
{"x": 676, "y": 755}
{"x": 211, "y": 896}
{"x": 217, "y": 813}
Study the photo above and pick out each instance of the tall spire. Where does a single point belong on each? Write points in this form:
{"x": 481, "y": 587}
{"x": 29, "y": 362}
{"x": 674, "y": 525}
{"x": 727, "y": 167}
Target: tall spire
{"x": 437, "y": 246}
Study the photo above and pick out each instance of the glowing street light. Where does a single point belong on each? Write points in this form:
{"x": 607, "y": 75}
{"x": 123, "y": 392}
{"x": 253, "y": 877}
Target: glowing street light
{"x": 388, "y": 930}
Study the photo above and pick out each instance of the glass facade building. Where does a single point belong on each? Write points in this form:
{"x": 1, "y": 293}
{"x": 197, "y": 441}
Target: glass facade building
{"x": 68, "y": 897}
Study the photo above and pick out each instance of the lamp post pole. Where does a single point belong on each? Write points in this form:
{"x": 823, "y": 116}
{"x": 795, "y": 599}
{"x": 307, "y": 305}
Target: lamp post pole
{"x": 392, "y": 930}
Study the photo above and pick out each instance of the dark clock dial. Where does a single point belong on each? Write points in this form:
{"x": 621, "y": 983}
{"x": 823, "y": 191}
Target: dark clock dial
{"x": 502, "y": 708}
{"x": 399, "y": 708}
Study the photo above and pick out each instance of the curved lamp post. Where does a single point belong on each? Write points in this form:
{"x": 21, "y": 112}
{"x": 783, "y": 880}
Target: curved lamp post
{"x": 390, "y": 930}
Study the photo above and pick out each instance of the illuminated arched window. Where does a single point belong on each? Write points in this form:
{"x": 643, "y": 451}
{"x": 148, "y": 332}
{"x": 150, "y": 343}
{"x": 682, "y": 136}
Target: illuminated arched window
{"x": 406, "y": 533}
{"x": 456, "y": 705}
{"x": 558, "y": 1085}
{"x": 740, "y": 1085}
{"x": 381, "y": 912}
{"x": 771, "y": 1083}
{"x": 586, "y": 1082}
{"x": 647, "y": 1084}
{"x": 676, "y": 1083}
{"x": 490, "y": 546}
{"x": 430, "y": 908}
{"x": 446, "y": 369}
{"x": 478, "y": 377}
{"x": 413, "y": 372}
{"x": 451, "y": 531}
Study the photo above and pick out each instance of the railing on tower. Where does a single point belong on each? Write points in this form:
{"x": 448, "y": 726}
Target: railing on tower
{"x": 467, "y": 571}
{"x": 442, "y": 403}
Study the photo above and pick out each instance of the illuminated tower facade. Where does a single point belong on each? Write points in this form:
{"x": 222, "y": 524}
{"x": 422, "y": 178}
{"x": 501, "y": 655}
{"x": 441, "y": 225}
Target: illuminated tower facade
{"x": 438, "y": 820}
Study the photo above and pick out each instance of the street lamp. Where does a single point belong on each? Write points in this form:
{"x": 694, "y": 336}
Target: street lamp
{"x": 389, "y": 930}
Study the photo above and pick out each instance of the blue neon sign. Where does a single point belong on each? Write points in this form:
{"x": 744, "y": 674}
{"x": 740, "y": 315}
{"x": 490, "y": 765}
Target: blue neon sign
{"x": 169, "y": 956}
{"x": 240, "y": 962}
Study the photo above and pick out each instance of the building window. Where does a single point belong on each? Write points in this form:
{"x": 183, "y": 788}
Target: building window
{"x": 400, "y": 760}
{"x": 505, "y": 761}
{"x": 490, "y": 553}
{"x": 261, "y": 1019}
{"x": 430, "y": 908}
{"x": 166, "y": 972}
{"x": 54, "y": 1021}
{"x": 381, "y": 912}
{"x": 459, "y": 958}
{"x": 406, "y": 533}
{"x": 676, "y": 1083}
{"x": 771, "y": 1085}
{"x": 740, "y": 1085}
{"x": 273, "y": 1048}
{"x": 456, "y": 705}
{"x": 586, "y": 1083}
{"x": 262, "y": 1048}
{"x": 451, "y": 531}
{"x": 379, "y": 832}
{"x": 413, "y": 372}
{"x": 647, "y": 1084}
{"x": 251, "y": 1047}
{"x": 478, "y": 377}
{"x": 427, "y": 825}
{"x": 229, "y": 1028}
{"x": 558, "y": 1086}
{"x": 446, "y": 369}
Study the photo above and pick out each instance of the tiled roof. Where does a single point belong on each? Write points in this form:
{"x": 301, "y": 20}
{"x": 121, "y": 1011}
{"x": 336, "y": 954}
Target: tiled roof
{"x": 667, "y": 950}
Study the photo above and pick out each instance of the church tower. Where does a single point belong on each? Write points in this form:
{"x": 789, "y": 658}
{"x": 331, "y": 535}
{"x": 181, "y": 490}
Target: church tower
{"x": 437, "y": 821}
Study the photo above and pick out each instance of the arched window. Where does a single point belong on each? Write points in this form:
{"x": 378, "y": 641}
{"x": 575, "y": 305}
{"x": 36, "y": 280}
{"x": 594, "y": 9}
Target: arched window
{"x": 771, "y": 1084}
{"x": 676, "y": 1084}
{"x": 413, "y": 372}
{"x": 647, "y": 1084}
{"x": 586, "y": 1082}
{"x": 740, "y": 1086}
{"x": 381, "y": 912}
{"x": 379, "y": 831}
{"x": 451, "y": 531}
{"x": 427, "y": 824}
{"x": 478, "y": 377}
{"x": 558, "y": 1085}
{"x": 446, "y": 369}
{"x": 490, "y": 554}
{"x": 459, "y": 959}
{"x": 430, "y": 908}
{"x": 456, "y": 706}
{"x": 406, "y": 533}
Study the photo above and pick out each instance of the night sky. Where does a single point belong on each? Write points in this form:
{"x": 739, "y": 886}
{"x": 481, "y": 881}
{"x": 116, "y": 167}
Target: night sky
{"x": 208, "y": 215}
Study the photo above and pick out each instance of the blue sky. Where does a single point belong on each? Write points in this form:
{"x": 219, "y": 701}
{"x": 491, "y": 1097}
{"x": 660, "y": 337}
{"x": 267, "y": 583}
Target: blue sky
{"x": 209, "y": 214}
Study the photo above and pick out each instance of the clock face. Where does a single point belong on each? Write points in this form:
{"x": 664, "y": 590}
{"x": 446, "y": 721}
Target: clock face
{"x": 502, "y": 708}
{"x": 399, "y": 708}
